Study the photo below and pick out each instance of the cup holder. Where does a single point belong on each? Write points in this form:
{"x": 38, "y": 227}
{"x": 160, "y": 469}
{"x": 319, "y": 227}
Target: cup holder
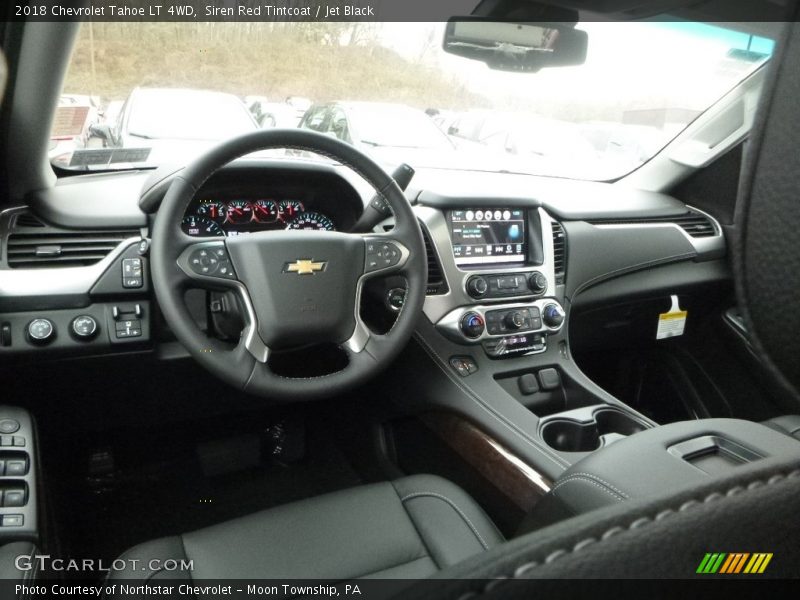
{"x": 567, "y": 435}
{"x": 571, "y": 436}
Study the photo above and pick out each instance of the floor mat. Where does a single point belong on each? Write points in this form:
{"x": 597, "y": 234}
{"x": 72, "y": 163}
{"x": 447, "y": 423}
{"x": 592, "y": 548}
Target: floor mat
{"x": 158, "y": 487}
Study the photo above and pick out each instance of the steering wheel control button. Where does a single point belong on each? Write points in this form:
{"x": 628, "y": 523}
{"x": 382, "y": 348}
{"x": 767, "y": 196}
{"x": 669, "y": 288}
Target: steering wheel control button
{"x": 132, "y": 273}
{"x": 472, "y": 325}
{"x": 396, "y": 298}
{"x": 84, "y": 327}
{"x": 381, "y": 255}
{"x": 212, "y": 262}
{"x": 9, "y": 426}
{"x": 41, "y": 331}
{"x": 464, "y": 365}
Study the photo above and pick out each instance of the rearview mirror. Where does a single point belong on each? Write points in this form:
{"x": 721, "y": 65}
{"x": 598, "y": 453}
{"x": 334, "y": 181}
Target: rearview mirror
{"x": 523, "y": 47}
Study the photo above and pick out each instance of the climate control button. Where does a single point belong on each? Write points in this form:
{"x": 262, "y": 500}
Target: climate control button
{"x": 553, "y": 316}
{"x": 516, "y": 319}
{"x": 472, "y": 325}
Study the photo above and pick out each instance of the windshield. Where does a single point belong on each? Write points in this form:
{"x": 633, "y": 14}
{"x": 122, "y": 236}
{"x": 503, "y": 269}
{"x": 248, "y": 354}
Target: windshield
{"x": 398, "y": 126}
{"x": 390, "y": 89}
{"x": 187, "y": 115}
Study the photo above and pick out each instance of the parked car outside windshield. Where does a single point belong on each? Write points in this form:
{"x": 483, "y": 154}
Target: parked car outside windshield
{"x": 162, "y": 125}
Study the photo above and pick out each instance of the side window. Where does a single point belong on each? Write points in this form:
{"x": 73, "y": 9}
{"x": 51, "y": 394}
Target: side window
{"x": 338, "y": 125}
{"x": 314, "y": 119}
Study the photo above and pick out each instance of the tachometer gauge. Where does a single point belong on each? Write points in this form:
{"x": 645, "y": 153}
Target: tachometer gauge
{"x": 289, "y": 209}
{"x": 201, "y": 227}
{"x": 265, "y": 211}
{"x": 311, "y": 220}
{"x": 239, "y": 212}
{"x": 212, "y": 209}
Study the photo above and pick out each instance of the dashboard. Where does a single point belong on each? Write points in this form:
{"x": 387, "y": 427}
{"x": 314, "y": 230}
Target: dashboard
{"x": 496, "y": 261}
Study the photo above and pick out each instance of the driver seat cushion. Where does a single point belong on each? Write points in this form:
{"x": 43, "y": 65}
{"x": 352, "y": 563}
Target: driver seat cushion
{"x": 409, "y": 528}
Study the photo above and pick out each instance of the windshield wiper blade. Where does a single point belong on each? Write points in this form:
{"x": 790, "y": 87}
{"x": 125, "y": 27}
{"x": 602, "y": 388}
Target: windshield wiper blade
{"x": 144, "y": 136}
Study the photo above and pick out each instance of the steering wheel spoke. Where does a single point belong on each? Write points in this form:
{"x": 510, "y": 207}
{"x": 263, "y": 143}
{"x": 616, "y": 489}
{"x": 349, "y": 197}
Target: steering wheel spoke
{"x": 208, "y": 265}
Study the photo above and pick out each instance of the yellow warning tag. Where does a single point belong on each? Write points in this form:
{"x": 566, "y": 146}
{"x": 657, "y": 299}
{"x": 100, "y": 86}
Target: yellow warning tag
{"x": 673, "y": 322}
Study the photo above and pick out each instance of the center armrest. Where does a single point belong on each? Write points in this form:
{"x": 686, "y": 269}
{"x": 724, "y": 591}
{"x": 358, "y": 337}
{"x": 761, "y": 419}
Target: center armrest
{"x": 663, "y": 459}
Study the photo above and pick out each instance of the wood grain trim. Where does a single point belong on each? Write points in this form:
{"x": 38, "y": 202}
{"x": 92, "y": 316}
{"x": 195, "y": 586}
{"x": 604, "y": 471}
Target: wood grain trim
{"x": 516, "y": 479}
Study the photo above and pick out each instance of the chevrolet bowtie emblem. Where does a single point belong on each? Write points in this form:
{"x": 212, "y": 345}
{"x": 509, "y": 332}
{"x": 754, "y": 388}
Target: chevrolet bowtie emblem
{"x": 304, "y": 267}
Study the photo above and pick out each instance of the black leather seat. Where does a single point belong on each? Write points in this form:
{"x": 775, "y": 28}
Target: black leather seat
{"x": 409, "y": 528}
{"x": 788, "y": 424}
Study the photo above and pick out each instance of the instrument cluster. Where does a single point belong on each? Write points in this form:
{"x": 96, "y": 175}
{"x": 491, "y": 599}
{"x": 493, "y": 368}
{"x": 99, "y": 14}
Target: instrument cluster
{"x": 218, "y": 218}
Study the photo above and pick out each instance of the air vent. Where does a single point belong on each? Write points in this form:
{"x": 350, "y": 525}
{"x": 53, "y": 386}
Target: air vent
{"x": 559, "y": 252}
{"x": 436, "y": 281}
{"x": 27, "y": 220}
{"x": 57, "y": 248}
{"x": 695, "y": 223}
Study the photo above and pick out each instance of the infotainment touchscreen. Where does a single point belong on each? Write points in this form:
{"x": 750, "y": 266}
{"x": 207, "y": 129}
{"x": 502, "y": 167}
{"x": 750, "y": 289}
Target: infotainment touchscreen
{"x": 488, "y": 236}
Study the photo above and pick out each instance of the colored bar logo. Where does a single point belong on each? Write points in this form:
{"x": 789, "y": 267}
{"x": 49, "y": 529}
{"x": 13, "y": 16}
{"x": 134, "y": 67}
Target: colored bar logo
{"x": 734, "y": 563}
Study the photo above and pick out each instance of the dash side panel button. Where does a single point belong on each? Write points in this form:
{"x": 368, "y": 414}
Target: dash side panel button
{"x": 13, "y": 521}
{"x": 16, "y": 468}
{"x": 14, "y": 498}
{"x": 9, "y": 426}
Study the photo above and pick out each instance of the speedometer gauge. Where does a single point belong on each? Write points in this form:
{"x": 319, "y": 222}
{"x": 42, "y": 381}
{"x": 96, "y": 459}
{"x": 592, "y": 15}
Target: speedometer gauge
{"x": 311, "y": 220}
{"x": 201, "y": 227}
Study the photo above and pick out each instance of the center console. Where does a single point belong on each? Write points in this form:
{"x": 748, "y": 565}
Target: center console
{"x": 498, "y": 262}
{"x": 493, "y": 348}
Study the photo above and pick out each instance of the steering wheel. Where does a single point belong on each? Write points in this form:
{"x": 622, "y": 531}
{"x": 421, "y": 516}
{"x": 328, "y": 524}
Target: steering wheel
{"x": 295, "y": 288}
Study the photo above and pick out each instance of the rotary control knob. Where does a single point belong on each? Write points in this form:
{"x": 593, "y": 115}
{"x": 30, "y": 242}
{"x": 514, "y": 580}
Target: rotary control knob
{"x": 472, "y": 325}
{"x": 553, "y": 316}
{"x": 41, "y": 331}
{"x": 515, "y": 319}
{"x": 84, "y": 327}
{"x": 477, "y": 287}
{"x": 538, "y": 283}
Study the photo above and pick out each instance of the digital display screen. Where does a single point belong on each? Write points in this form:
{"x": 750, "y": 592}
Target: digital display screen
{"x": 489, "y": 236}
